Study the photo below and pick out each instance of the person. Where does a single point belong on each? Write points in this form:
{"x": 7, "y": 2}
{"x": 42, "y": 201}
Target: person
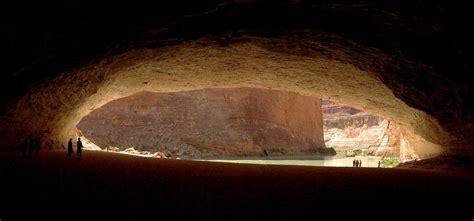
{"x": 37, "y": 147}
{"x": 69, "y": 149}
{"x": 265, "y": 152}
{"x": 357, "y": 163}
{"x": 378, "y": 164}
{"x": 360, "y": 163}
{"x": 354, "y": 163}
{"x": 79, "y": 148}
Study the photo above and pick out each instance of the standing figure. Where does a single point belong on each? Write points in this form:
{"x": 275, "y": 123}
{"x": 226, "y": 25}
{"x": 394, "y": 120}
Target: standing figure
{"x": 79, "y": 148}
{"x": 378, "y": 164}
{"x": 37, "y": 147}
{"x": 69, "y": 149}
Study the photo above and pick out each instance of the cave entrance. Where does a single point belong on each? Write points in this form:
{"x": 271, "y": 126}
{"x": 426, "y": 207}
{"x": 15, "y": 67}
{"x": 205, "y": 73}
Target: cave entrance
{"x": 304, "y": 66}
{"x": 243, "y": 125}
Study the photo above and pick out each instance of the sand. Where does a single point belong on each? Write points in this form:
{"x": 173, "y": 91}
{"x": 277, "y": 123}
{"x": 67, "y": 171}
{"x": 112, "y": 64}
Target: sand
{"x": 130, "y": 187}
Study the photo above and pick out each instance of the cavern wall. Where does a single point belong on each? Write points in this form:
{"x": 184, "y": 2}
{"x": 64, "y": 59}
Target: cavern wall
{"x": 52, "y": 110}
{"x": 407, "y": 61}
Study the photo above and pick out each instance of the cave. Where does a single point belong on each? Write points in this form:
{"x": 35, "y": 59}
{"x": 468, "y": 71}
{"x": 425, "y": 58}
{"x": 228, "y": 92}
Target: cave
{"x": 408, "y": 62}
{"x": 203, "y": 63}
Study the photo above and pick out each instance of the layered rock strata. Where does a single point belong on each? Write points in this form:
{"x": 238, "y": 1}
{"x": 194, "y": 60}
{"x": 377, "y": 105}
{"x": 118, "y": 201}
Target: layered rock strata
{"x": 210, "y": 122}
{"x": 349, "y": 128}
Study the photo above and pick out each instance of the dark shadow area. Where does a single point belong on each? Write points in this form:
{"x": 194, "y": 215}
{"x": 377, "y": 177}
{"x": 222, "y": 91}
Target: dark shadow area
{"x": 120, "y": 186}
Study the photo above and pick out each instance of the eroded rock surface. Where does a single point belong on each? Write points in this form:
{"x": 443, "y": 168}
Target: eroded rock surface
{"x": 241, "y": 121}
{"x": 350, "y": 128}
{"x": 406, "y": 61}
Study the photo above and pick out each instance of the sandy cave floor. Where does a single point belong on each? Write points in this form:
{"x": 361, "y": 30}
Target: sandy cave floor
{"x": 141, "y": 187}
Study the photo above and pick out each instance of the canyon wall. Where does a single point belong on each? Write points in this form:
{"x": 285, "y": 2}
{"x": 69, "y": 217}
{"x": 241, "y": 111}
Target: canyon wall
{"x": 210, "y": 122}
{"x": 350, "y": 128}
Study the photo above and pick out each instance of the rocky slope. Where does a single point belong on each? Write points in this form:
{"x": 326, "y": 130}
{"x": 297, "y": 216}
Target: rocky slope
{"x": 210, "y": 122}
{"x": 350, "y": 128}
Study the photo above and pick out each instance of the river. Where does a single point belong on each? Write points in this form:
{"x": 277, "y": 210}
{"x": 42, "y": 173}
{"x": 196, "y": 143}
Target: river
{"x": 367, "y": 161}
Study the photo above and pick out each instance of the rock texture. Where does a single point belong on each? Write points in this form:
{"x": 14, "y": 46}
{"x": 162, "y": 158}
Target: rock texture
{"x": 406, "y": 61}
{"x": 293, "y": 64}
{"x": 210, "y": 122}
{"x": 347, "y": 127}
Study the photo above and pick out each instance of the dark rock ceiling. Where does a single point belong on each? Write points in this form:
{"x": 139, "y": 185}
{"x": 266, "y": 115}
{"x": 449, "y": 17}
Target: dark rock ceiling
{"x": 429, "y": 42}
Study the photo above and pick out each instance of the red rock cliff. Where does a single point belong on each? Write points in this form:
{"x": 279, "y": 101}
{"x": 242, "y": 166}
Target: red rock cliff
{"x": 241, "y": 121}
{"x": 347, "y": 127}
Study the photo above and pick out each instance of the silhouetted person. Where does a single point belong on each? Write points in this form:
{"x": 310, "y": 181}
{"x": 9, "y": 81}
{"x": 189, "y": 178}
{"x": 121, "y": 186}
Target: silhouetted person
{"x": 69, "y": 149}
{"x": 357, "y": 163}
{"x": 360, "y": 163}
{"x": 378, "y": 164}
{"x": 79, "y": 148}
{"x": 37, "y": 147}
{"x": 354, "y": 163}
{"x": 265, "y": 152}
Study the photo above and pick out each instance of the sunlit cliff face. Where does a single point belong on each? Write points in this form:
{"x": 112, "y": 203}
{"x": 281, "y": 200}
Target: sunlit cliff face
{"x": 239, "y": 122}
{"x": 375, "y": 57}
{"x": 348, "y": 128}
{"x": 210, "y": 122}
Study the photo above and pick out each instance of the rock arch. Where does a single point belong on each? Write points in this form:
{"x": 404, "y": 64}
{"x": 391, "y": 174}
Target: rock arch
{"x": 346, "y": 73}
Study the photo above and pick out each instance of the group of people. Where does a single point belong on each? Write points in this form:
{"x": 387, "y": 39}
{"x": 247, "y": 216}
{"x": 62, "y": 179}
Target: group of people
{"x": 31, "y": 147}
{"x": 357, "y": 163}
{"x": 70, "y": 151}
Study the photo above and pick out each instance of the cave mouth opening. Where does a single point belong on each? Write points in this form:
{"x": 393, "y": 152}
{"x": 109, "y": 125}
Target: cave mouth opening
{"x": 241, "y": 125}
{"x": 304, "y": 66}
